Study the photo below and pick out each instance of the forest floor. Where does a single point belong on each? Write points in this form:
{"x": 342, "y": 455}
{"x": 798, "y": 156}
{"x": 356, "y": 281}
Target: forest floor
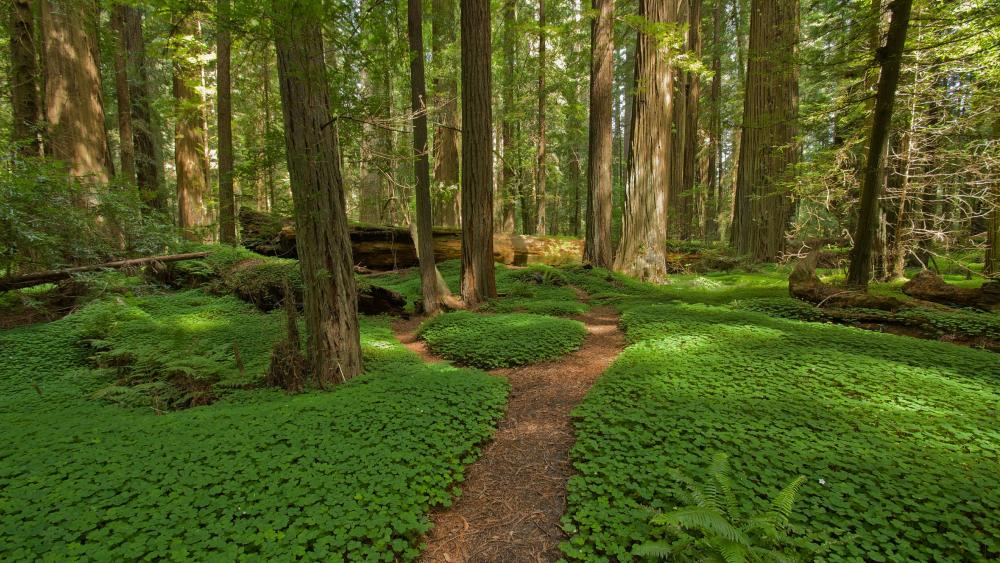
{"x": 514, "y": 496}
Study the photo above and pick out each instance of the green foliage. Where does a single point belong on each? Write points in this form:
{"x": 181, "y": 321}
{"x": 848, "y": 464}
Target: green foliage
{"x": 712, "y": 526}
{"x": 347, "y": 474}
{"x": 501, "y": 340}
{"x": 898, "y": 437}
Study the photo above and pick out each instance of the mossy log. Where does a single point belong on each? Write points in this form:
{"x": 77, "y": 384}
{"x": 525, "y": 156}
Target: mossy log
{"x": 387, "y": 248}
{"x": 52, "y": 276}
{"x": 929, "y": 286}
{"x": 804, "y": 284}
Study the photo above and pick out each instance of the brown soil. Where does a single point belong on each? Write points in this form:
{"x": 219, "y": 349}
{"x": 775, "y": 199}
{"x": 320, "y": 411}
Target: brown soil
{"x": 513, "y": 497}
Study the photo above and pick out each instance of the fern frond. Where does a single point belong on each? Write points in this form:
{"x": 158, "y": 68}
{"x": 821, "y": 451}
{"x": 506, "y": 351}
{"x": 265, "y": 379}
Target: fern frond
{"x": 733, "y": 552}
{"x": 708, "y": 521}
{"x": 658, "y": 550}
{"x": 782, "y": 502}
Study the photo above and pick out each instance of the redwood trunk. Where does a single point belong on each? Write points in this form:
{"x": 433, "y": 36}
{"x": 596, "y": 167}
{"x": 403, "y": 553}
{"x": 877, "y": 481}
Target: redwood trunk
{"x": 714, "y": 128}
{"x": 122, "y": 95}
{"x": 324, "y": 247}
{"x": 508, "y": 181}
{"x": 227, "y": 199}
{"x": 597, "y": 247}
{"x": 478, "y": 282}
{"x": 24, "y": 78}
{"x": 189, "y": 138}
{"x": 446, "y": 134}
{"x": 642, "y": 248}
{"x": 692, "y": 85}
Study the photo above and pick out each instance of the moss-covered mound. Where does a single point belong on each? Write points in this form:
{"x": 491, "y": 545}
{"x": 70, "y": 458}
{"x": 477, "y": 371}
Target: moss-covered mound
{"x": 501, "y": 340}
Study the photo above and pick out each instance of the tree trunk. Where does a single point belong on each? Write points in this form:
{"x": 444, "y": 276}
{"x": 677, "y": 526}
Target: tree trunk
{"x": 125, "y": 136}
{"x": 889, "y": 58}
{"x": 73, "y": 107}
{"x": 692, "y": 86}
{"x": 24, "y": 100}
{"x": 714, "y": 127}
{"x": 324, "y": 247}
{"x": 508, "y": 182}
{"x": 642, "y": 248}
{"x": 677, "y": 198}
{"x": 269, "y": 180}
{"x": 540, "y": 197}
{"x": 597, "y": 246}
{"x": 432, "y": 291}
{"x": 148, "y": 159}
{"x": 227, "y": 199}
{"x": 768, "y": 147}
{"x": 446, "y": 134}
{"x": 478, "y": 282}
{"x": 189, "y": 138}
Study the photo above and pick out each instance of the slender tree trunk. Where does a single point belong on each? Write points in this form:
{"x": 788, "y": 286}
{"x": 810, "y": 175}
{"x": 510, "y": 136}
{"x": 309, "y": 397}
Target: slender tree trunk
{"x": 714, "y": 127}
{"x": 446, "y": 139}
{"x": 148, "y": 158}
{"x": 478, "y": 281}
{"x": 890, "y": 59}
{"x": 269, "y": 172}
{"x": 677, "y": 198}
{"x": 597, "y": 243}
{"x": 508, "y": 179}
{"x": 768, "y": 147}
{"x": 122, "y": 95}
{"x": 540, "y": 197}
{"x": 323, "y": 243}
{"x": 692, "y": 85}
{"x": 73, "y": 106}
{"x": 189, "y": 138}
{"x": 24, "y": 100}
{"x": 642, "y": 248}
{"x": 431, "y": 290}
{"x": 227, "y": 199}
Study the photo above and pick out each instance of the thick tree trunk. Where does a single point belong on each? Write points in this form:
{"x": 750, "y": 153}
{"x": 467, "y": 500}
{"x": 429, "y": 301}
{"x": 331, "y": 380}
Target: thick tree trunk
{"x": 890, "y": 59}
{"x": 446, "y": 135}
{"x": 223, "y": 80}
{"x": 804, "y": 284}
{"x": 692, "y": 85}
{"x": 768, "y": 147}
{"x": 126, "y": 143}
{"x": 478, "y": 281}
{"x": 73, "y": 107}
{"x": 432, "y": 291}
{"x": 642, "y": 248}
{"x": 324, "y": 246}
{"x": 714, "y": 164}
{"x": 189, "y": 137}
{"x": 24, "y": 100}
{"x": 597, "y": 247}
{"x": 540, "y": 196}
{"x": 508, "y": 182}
{"x": 931, "y": 287}
{"x": 148, "y": 159}
{"x": 677, "y": 199}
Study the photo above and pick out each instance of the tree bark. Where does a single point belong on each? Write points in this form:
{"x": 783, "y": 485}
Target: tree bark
{"x": 677, "y": 198}
{"x": 227, "y": 199}
{"x": 73, "y": 107}
{"x": 597, "y": 246}
{"x": 148, "y": 159}
{"x": 714, "y": 127}
{"x": 478, "y": 281}
{"x": 324, "y": 247}
{"x": 508, "y": 211}
{"x": 189, "y": 137}
{"x": 768, "y": 147}
{"x": 24, "y": 101}
{"x": 540, "y": 197}
{"x": 642, "y": 248}
{"x": 890, "y": 59}
{"x": 52, "y": 276}
{"x": 126, "y": 143}
{"x": 446, "y": 135}
{"x": 692, "y": 85}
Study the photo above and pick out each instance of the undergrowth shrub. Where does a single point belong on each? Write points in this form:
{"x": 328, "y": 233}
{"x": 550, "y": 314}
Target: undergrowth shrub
{"x": 501, "y": 340}
{"x": 347, "y": 474}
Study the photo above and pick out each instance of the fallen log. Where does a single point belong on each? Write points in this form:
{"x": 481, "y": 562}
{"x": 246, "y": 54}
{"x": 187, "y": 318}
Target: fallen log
{"x": 51, "y": 276}
{"x": 804, "y": 284}
{"x": 929, "y": 286}
{"x": 388, "y": 248}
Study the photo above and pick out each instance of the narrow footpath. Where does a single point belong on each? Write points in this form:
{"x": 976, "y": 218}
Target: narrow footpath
{"x": 515, "y": 494}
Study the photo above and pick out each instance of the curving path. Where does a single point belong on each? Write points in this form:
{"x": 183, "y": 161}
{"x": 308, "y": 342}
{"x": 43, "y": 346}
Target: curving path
{"x": 515, "y": 494}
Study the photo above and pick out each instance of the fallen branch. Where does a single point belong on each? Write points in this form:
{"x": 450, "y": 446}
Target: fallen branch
{"x": 51, "y": 276}
{"x": 804, "y": 284}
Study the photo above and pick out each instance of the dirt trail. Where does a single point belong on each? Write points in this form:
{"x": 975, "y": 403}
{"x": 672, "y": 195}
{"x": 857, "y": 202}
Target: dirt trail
{"x": 515, "y": 494}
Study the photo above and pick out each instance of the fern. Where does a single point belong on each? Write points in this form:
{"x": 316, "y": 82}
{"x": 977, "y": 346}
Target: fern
{"x": 712, "y": 528}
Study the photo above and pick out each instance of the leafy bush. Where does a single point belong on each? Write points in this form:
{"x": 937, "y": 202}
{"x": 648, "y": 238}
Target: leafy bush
{"x": 898, "y": 437}
{"x": 501, "y": 340}
{"x": 712, "y": 525}
{"x": 347, "y": 474}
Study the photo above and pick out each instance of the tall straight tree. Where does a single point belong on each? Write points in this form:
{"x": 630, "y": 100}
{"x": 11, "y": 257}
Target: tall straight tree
{"x": 74, "y": 109}
{"x": 432, "y": 291}
{"x": 889, "y": 59}
{"x": 23, "y": 77}
{"x": 148, "y": 159}
{"x": 677, "y": 196}
{"x": 540, "y": 198}
{"x": 692, "y": 85}
{"x": 322, "y": 239}
{"x": 189, "y": 135}
{"x": 643, "y": 244}
{"x": 478, "y": 280}
{"x": 768, "y": 148}
{"x": 714, "y": 127}
{"x": 508, "y": 181}
{"x": 597, "y": 243}
{"x": 224, "y": 111}
{"x": 446, "y": 92}
{"x": 126, "y": 141}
